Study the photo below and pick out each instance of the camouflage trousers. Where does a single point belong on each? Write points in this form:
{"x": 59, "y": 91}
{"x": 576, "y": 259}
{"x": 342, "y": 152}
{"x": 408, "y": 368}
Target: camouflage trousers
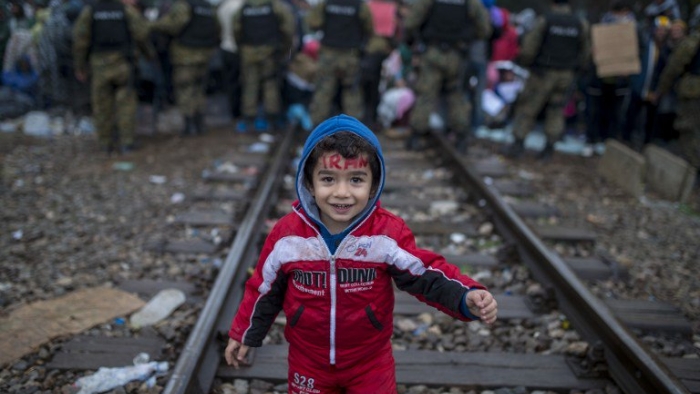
{"x": 547, "y": 88}
{"x": 260, "y": 76}
{"x": 688, "y": 125}
{"x": 441, "y": 72}
{"x": 113, "y": 99}
{"x": 337, "y": 67}
{"x": 189, "y": 83}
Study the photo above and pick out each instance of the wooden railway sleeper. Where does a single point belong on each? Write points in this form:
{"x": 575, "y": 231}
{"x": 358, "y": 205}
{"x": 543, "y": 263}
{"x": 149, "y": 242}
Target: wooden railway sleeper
{"x": 591, "y": 366}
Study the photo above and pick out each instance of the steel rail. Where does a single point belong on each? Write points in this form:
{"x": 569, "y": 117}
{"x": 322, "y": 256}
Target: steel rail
{"x": 196, "y": 367}
{"x": 634, "y": 369}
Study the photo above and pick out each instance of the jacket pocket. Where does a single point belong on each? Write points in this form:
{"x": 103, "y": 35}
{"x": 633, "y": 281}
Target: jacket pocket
{"x": 296, "y": 316}
{"x": 373, "y": 318}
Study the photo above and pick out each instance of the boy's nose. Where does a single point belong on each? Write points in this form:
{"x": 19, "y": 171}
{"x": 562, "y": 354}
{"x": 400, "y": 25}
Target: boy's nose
{"x": 342, "y": 189}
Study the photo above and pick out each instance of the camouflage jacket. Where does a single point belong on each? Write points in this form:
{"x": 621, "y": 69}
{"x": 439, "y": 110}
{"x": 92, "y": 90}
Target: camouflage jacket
{"x": 534, "y": 38}
{"x": 82, "y": 33}
{"x": 315, "y": 19}
{"x": 675, "y": 73}
{"x": 172, "y": 24}
{"x": 287, "y": 29}
{"x": 421, "y": 8}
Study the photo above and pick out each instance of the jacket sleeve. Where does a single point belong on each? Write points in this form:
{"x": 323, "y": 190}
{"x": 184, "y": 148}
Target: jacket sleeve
{"x": 236, "y": 26}
{"x": 416, "y": 16}
{"x": 585, "y": 52}
{"x": 81, "y": 39}
{"x": 262, "y": 300}
{"x": 366, "y": 20}
{"x": 138, "y": 26}
{"x": 175, "y": 20}
{"x": 481, "y": 19}
{"x": 532, "y": 41}
{"x": 680, "y": 58}
{"x": 315, "y": 17}
{"x": 287, "y": 26}
{"x": 439, "y": 284}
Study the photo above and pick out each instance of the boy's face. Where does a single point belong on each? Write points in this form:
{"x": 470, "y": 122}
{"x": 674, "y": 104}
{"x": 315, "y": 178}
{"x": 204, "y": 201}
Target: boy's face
{"x": 342, "y": 189}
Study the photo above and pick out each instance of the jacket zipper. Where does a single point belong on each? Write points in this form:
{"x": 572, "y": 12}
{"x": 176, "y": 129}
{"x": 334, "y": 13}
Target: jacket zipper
{"x": 333, "y": 310}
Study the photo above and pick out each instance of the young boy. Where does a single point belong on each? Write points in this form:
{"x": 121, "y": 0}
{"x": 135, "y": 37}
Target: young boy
{"x": 329, "y": 265}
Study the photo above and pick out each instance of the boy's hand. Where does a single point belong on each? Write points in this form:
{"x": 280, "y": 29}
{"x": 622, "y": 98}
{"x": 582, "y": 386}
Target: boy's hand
{"x": 235, "y": 353}
{"x": 481, "y": 303}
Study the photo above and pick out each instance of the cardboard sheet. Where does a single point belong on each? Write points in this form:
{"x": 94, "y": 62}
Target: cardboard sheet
{"x": 30, "y": 326}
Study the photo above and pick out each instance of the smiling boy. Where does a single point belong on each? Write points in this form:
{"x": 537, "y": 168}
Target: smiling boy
{"x": 331, "y": 266}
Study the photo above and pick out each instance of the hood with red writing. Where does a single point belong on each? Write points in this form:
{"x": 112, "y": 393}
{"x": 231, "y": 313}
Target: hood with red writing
{"x": 324, "y": 129}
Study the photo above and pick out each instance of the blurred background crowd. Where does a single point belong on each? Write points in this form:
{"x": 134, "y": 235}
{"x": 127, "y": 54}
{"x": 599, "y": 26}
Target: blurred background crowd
{"x": 38, "y": 73}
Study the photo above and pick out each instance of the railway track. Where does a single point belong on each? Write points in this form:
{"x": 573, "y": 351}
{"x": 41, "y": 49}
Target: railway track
{"x": 613, "y": 354}
{"x": 474, "y": 210}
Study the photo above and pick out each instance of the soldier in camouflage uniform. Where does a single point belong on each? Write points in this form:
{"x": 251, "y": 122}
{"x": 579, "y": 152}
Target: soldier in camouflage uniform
{"x": 445, "y": 29}
{"x": 196, "y": 32}
{"x": 346, "y": 26}
{"x": 556, "y": 47}
{"x": 683, "y": 72}
{"x": 103, "y": 46}
{"x": 264, "y": 30}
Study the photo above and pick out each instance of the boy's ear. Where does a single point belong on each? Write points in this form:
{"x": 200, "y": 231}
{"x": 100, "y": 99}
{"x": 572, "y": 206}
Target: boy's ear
{"x": 310, "y": 186}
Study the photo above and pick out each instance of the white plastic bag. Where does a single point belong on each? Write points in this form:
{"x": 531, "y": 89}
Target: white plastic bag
{"x": 106, "y": 379}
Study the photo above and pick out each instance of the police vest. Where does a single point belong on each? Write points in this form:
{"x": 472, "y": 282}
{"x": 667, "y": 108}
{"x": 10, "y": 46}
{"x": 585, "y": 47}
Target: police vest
{"x": 109, "y": 28}
{"x": 259, "y": 25}
{"x": 561, "y": 43}
{"x": 342, "y": 27}
{"x": 447, "y": 22}
{"x": 201, "y": 30}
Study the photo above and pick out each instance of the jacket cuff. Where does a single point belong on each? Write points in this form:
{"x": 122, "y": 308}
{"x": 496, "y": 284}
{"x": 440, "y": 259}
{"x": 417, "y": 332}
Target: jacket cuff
{"x": 464, "y": 309}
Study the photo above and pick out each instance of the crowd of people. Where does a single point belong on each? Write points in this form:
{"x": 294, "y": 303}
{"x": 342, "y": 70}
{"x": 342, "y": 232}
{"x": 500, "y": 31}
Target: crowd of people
{"x": 386, "y": 62}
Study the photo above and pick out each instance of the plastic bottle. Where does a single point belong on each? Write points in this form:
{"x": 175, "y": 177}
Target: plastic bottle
{"x": 158, "y": 308}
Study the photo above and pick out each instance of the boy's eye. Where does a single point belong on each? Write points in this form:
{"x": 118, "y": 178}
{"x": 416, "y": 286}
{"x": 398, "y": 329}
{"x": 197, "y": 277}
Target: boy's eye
{"x": 326, "y": 179}
{"x": 357, "y": 179}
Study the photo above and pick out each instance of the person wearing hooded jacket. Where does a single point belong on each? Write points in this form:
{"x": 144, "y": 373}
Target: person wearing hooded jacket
{"x": 331, "y": 265}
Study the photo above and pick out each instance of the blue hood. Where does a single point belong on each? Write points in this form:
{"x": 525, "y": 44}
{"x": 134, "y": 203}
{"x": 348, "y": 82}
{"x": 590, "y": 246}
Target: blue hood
{"x": 326, "y": 128}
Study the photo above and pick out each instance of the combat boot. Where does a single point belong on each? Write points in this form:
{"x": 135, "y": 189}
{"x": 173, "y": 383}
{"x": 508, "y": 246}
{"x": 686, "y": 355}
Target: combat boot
{"x": 462, "y": 143}
{"x": 189, "y": 126}
{"x": 107, "y": 149}
{"x": 547, "y": 152}
{"x": 128, "y": 148}
{"x": 516, "y": 149}
{"x": 242, "y": 126}
{"x": 261, "y": 124}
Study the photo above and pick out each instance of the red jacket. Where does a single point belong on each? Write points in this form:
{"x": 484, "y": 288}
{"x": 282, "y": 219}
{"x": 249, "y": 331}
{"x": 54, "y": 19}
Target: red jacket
{"x": 507, "y": 46}
{"x": 340, "y": 306}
